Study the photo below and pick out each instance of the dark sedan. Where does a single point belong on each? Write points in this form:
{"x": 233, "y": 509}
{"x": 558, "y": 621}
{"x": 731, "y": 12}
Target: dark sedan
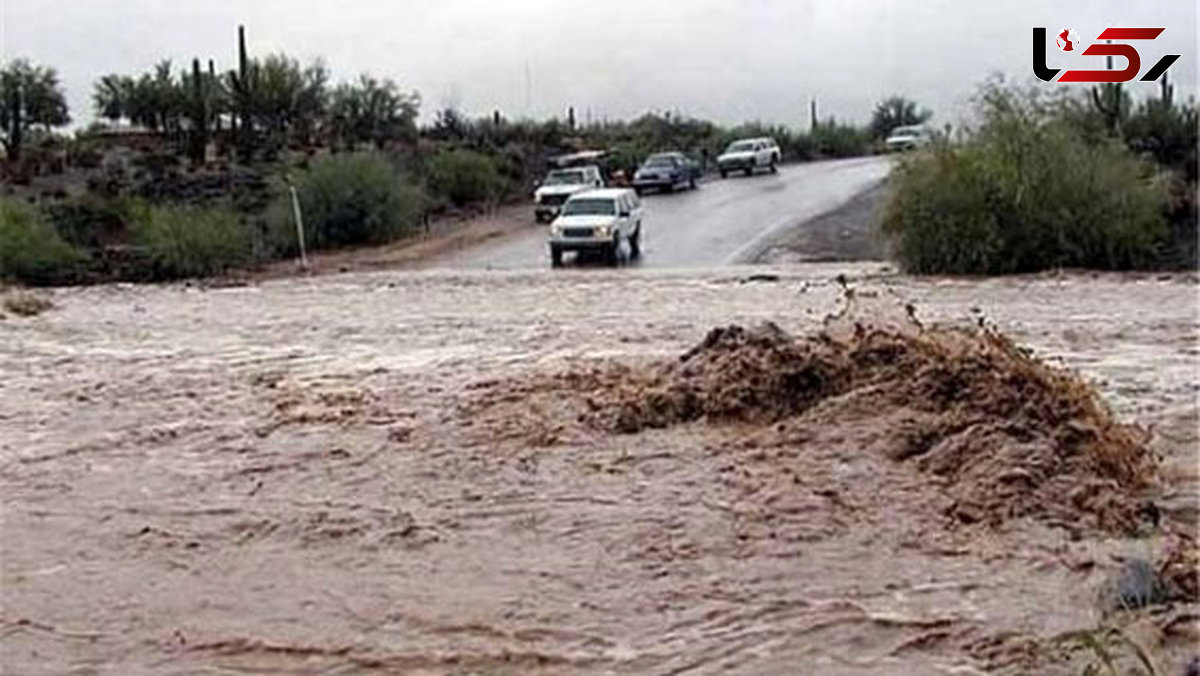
{"x": 666, "y": 171}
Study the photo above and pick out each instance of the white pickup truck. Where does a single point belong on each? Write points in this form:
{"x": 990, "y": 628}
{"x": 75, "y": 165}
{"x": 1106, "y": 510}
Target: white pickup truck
{"x": 559, "y": 185}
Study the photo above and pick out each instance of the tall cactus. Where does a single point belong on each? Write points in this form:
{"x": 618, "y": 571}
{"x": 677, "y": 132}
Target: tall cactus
{"x": 215, "y": 106}
{"x": 1112, "y": 103}
{"x": 243, "y": 86}
{"x": 1168, "y": 90}
{"x": 198, "y": 111}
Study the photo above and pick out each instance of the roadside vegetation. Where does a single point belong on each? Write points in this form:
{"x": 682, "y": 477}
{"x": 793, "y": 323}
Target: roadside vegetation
{"x": 186, "y": 173}
{"x": 346, "y": 200}
{"x": 31, "y": 250}
{"x": 1046, "y": 182}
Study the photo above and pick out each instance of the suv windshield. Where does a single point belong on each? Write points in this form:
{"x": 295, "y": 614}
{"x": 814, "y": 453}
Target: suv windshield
{"x": 740, "y": 147}
{"x": 906, "y": 131}
{"x": 590, "y": 206}
{"x": 660, "y": 161}
{"x": 565, "y": 178}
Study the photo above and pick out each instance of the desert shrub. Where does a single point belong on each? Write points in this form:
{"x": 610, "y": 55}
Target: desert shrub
{"x": 31, "y": 251}
{"x": 346, "y": 199}
{"x": 464, "y": 176}
{"x": 1026, "y": 192}
{"x": 177, "y": 242}
{"x": 835, "y": 139}
{"x": 91, "y": 221}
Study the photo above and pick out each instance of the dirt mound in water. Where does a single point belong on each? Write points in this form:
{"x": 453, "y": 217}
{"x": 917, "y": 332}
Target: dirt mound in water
{"x": 1006, "y": 433}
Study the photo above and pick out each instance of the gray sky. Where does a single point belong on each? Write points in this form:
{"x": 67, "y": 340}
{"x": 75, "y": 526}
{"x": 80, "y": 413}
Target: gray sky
{"x": 729, "y": 60}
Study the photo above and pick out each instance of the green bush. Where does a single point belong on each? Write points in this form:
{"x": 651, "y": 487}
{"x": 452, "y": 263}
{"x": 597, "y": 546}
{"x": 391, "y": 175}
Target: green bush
{"x": 346, "y": 199}
{"x": 176, "y": 242}
{"x": 91, "y": 221}
{"x": 1026, "y": 192}
{"x": 31, "y": 251}
{"x": 464, "y": 176}
{"x": 834, "y": 139}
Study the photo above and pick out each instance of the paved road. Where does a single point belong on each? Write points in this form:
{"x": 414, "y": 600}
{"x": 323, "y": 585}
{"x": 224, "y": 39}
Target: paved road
{"x": 722, "y": 222}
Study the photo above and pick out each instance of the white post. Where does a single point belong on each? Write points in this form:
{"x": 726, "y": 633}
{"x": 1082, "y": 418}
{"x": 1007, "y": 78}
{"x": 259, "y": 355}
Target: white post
{"x": 299, "y": 225}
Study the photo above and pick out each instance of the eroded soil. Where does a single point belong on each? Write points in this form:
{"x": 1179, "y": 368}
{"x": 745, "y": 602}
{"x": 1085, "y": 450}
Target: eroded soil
{"x": 514, "y": 473}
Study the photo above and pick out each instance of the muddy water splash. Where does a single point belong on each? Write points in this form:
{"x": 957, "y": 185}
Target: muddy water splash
{"x": 386, "y": 473}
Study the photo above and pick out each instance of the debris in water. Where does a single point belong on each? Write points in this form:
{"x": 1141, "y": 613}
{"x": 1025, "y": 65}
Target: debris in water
{"x": 1008, "y": 434}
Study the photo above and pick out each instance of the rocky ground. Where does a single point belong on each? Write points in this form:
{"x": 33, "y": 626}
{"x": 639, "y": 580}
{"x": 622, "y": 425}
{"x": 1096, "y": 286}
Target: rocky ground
{"x": 571, "y": 472}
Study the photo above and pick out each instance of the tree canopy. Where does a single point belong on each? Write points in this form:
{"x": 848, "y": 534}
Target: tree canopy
{"x": 30, "y": 97}
{"x": 896, "y": 111}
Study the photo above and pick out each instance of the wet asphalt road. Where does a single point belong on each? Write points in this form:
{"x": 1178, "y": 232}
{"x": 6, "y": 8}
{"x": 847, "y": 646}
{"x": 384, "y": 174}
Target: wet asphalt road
{"x": 722, "y": 222}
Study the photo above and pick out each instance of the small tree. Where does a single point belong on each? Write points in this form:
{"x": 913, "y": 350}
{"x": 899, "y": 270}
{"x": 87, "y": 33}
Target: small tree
{"x": 288, "y": 100}
{"x": 373, "y": 111}
{"x": 111, "y": 95}
{"x": 29, "y": 96}
{"x": 896, "y": 111}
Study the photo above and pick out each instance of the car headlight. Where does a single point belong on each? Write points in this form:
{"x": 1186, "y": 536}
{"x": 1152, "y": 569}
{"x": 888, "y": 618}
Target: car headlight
{"x": 602, "y": 231}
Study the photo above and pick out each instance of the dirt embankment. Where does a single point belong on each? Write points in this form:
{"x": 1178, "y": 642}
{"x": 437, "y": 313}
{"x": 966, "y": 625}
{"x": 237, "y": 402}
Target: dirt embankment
{"x": 848, "y": 233}
{"x": 444, "y": 236}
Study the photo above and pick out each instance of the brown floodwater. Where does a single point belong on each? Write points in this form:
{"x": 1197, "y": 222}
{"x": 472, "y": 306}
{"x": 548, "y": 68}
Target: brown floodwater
{"x": 338, "y": 475}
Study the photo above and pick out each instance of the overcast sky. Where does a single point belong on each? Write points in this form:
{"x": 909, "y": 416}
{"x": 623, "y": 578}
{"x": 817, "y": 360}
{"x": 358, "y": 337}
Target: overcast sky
{"x": 729, "y": 60}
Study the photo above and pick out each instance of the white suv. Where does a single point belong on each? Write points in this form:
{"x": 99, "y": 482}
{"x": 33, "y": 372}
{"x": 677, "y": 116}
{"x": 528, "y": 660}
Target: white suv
{"x": 561, "y": 184}
{"x": 749, "y": 154}
{"x": 598, "y": 220}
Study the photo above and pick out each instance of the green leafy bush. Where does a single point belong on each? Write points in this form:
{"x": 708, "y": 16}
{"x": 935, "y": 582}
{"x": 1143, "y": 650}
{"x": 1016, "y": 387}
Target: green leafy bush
{"x": 184, "y": 241}
{"x": 346, "y": 199}
{"x": 31, "y": 251}
{"x": 1026, "y": 192}
{"x": 464, "y": 176}
{"x": 91, "y": 221}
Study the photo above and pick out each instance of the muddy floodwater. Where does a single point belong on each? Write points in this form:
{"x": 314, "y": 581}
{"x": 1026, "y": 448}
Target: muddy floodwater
{"x": 350, "y": 474}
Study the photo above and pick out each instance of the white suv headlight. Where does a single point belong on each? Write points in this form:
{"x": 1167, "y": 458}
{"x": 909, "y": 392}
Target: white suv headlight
{"x": 603, "y": 230}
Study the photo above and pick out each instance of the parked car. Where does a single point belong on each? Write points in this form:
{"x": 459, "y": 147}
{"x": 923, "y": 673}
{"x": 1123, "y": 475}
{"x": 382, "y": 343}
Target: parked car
{"x": 908, "y": 138}
{"x": 598, "y": 221}
{"x": 749, "y": 154}
{"x": 561, "y": 184}
{"x": 666, "y": 171}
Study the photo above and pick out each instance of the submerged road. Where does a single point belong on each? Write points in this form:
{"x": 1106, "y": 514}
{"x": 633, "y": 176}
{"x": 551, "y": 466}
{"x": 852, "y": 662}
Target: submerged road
{"x": 722, "y": 222}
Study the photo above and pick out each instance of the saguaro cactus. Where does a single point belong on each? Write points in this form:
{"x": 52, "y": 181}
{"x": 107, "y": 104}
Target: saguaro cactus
{"x": 1111, "y": 102}
{"x": 198, "y": 115}
{"x": 1168, "y": 90}
{"x": 243, "y": 82}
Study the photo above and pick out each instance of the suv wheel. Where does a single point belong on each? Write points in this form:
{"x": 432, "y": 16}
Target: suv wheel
{"x": 749, "y": 170}
{"x": 555, "y": 257}
{"x": 774, "y": 169}
{"x": 635, "y": 243}
{"x": 612, "y": 252}
{"x": 724, "y": 174}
